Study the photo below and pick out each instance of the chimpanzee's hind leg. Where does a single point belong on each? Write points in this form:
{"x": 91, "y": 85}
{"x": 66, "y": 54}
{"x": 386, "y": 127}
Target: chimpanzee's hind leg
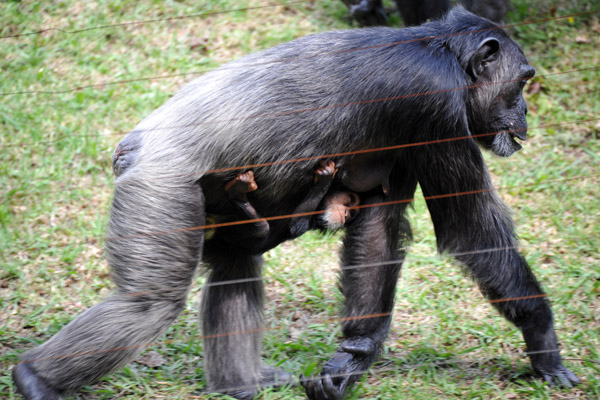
{"x": 232, "y": 324}
{"x": 153, "y": 256}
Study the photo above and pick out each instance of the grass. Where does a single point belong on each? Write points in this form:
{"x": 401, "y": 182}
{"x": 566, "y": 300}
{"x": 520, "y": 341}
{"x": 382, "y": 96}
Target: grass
{"x": 446, "y": 341}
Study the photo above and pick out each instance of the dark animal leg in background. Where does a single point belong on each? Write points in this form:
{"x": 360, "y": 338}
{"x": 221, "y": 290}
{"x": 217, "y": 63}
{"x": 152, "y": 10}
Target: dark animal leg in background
{"x": 494, "y": 10}
{"x": 368, "y": 12}
{"x": 324, "y": 174}
{"x": 416, "y": 12}
{"x": 236, "y": 190}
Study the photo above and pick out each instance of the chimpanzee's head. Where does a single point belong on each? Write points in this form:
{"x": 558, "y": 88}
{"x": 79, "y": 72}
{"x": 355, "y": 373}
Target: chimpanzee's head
{"x": 498, "y": 70}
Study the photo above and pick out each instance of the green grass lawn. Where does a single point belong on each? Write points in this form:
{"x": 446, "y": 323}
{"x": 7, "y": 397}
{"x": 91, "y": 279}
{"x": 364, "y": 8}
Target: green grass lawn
{"x": 59, "y": 127}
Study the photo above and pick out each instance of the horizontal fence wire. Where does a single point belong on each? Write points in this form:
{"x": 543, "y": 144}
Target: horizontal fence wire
{"x": 247, "y": 332}
{"x": 289, "y": 59}
{"x": 327, "y": 321}
{"x": 316, "y": 109}
{"x": 289, "y": 216}
{"x": 251, "y": 8}
{"x": 267, "y": 329}
{"x": 319, "y": 212}
{"x": 155, "y": 20}
{"x": 379, "y": 367}
{"x": 375, "y": 368}
{"x": 350, "y": 267}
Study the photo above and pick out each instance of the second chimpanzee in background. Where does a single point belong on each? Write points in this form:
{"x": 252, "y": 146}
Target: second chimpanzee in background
{"x": 416, "y": 12}
{"x": 428, "y": 95}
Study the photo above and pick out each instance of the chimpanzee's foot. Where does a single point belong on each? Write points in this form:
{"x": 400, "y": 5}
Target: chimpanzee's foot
{"x": 236, "y": 189}
{"x": 338, "y": 209}
{"x": 275, "y": 377}
{"x": 560, "y": 376}
{"x": 240, "y": 185}
{"x": 347, "y": 365}
{"x": 325, "y": 173}
{"x": 30, "y": 385}
{"x": 542, "y": 348}
{"x": 549, "y": 367}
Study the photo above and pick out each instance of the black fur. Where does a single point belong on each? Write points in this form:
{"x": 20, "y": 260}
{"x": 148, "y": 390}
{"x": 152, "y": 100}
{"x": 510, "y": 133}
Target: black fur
{"x": 367, "y": 12}
{"x": 323, "y": 94}
{"x": 416, "y": 12}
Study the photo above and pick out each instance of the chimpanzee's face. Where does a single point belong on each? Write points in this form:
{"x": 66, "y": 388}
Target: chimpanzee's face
{"x": 507, "y": 115}
{"x": 498, "y": 109}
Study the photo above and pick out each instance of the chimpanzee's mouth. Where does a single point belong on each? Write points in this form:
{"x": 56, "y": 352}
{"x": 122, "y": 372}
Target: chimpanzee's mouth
{"x": 517, "y": 136}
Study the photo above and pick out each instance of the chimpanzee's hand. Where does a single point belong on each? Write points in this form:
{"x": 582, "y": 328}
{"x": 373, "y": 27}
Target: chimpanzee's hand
{"x": 346, "y": 366}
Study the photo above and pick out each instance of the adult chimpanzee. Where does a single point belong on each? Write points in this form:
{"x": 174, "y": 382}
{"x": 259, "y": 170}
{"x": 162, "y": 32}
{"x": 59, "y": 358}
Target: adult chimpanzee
{"x": 415, "y": 12}
{"x": 430, "y": 92}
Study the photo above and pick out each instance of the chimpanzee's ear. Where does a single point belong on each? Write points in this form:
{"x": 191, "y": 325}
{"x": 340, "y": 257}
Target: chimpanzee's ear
{"x": 487, "y": 51}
